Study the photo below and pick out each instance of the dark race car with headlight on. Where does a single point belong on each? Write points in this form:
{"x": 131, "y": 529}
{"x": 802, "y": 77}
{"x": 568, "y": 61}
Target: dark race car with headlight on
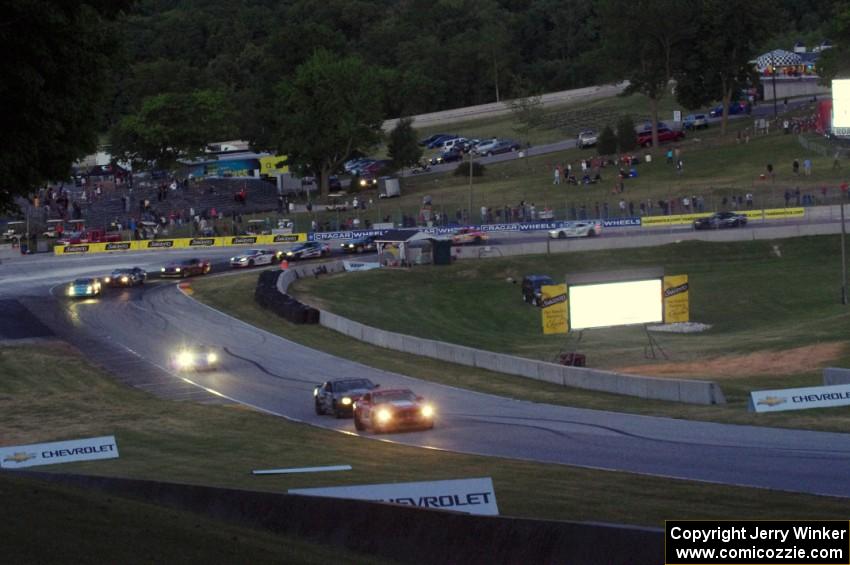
{"x": 84, "y": 287}
{"x": 195, "y": 358}
{"x": 388, "y": 410}
{"x": 126, "y": 277}
{"x": 720, "y": 220}
{"x": 359, "y": 245}
{"x": 337, "y": 397}
{"x": 307, "y": 250}
{"x": 186, "y": 268}
{"x": 255, "y": 257}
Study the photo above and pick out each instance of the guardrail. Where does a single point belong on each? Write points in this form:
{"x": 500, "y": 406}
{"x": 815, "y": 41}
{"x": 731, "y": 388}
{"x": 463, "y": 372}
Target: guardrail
{"x": 177, "y": 243}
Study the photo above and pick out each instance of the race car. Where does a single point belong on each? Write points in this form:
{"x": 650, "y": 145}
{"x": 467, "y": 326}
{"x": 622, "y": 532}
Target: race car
{"x": 84, "y": 287}
{"x": 126, "y": 277}
{"x": 720, "y": 220}
{"x": 469, "y": 235}
{"x": 394, "y": 409}
{"x": 307, "y": 250}
{"x": 337, "y": 397}
{"x": 256, "y": 257}
{"x": 195, "y": 358}
{"x": 186, "y": 268}
{"x": 359, "y": 245}
{"x": 577, "y": 229}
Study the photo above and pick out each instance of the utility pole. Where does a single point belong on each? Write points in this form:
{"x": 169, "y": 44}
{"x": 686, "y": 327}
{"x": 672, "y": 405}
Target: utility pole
{"x": 773, "y": 80}
{"x": 470, "y": 185}
{"x": 843, "y": 260}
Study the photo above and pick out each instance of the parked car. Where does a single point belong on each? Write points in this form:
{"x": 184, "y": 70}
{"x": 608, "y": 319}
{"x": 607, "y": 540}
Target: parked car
{"x": 195, "y": 358}
{"x": 483, "y": 146}
{"x": 359, "y": 245}
{"x": 338, "y": 396}
{"x": 721, "y": 220}
{"x": 695, "y": 121}
{"x": 395, "y": 409}
{"x": 587, "y": 138}
{"x": 432, "y": 138}
{"x": 253, "y": 257}
{"x": 439, "y": 141}
{"x": 463, "y": 236}
{"x": 664, "y": 135}
{"x": 450, "y": 156}
{"x": 577, "y": 229}
{"x": 531, "y": 284}
{"x": 84, "y": 287}
{"x": 307, "y": 250}
{"x": 467, "y": 145}
{"x": 186, "y": 268}
{"x": 734, "y": 108}
{"x": 502, "y": 146}
{"x": 450, "y": 144}
{"x": 126, "y": 277}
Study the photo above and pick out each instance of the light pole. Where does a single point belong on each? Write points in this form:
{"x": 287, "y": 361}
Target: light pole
{"x": 470, "y": 184}
{"x": 843, "y": 260}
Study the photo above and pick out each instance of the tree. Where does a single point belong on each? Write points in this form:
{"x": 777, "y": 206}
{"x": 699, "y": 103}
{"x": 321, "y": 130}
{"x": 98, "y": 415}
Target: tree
{"x": 607, "y": 142}
{"x": 528, "y": 113}
{"x": 403, "y": 146}
{"x": 57, "y": 59}
{"x": 645, "y": 41}
{"x": 172, "y": 126}
{"x": 626, "y": 136}
{"x": 718, "y": 65}
{"x": 329, "y": 109}
{"x": 835, "y": 62}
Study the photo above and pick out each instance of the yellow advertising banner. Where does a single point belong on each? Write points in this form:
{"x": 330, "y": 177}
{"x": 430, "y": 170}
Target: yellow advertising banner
{"x": 554, "y": 308}
{"x": 682, "y": 219}
{"x": 676, "y": 299}
{"x": 179, "y": 243}
{"x": 276, "y": 164}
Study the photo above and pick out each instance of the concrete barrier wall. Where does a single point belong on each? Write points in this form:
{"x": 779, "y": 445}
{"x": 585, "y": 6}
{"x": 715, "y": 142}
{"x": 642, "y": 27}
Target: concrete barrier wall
{"x": 397, "y": 532}
{"x": 688, "y": 391}
{"x": 831, "y": 375}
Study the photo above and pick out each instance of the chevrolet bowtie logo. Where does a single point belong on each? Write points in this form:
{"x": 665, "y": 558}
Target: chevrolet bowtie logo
{"x": 772, "y": 400}
{"x": 19, "y": 457}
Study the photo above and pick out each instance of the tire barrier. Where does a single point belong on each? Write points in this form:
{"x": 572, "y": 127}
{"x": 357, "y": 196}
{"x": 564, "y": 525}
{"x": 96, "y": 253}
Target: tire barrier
{"x": 267, "y": 296}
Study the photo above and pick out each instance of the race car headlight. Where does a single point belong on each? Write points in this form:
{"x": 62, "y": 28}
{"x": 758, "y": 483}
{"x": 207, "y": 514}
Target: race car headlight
{"x": 177, "y": 270}
{"x": 123, "y": 279}
{"x": 71, "y": 291}
{"x": 289, "y": 253}
{"x": 89, "y": 289}
{"x": 383, "y": 416}
{"x": 346, "y": 401}
{"x": 107, "y": 279}
{"x": 363, "y": 182}
{"x": 162, "y": 269}
{"x": 212, "y": 358}
{"x": 428, "y": 411}
{"x": 185, "y": 359}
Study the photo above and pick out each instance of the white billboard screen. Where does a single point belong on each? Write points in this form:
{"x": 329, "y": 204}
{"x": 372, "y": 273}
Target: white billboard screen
{"x": 841, "y": 103}
{"x": 615, "y": 304}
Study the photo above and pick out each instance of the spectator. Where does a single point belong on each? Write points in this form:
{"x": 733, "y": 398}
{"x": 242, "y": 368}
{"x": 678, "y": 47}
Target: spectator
{"x": 807, "y": 167}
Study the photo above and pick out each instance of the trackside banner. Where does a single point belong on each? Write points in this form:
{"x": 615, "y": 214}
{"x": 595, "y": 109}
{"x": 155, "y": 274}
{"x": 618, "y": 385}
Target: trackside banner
{"x": 682, "y": 219}
{"x": 19, "y": 456}
{"x": 799, "y": 398}
{"x": 471, "y": 496}
{"x": 360, "y": 266}
{"x": 553, "y": 309}
{"x": 512, "y": 227}
{"x": 178, "y": 243}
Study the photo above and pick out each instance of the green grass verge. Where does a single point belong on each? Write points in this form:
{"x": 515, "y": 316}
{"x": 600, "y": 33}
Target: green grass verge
{"x": 49, "y": 523}
{"x": 219, "y": 445}
{"x": 496, "y": 315}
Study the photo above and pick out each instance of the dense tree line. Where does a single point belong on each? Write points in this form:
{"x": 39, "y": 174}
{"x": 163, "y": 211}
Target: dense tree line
{"x": 166, "y": 76}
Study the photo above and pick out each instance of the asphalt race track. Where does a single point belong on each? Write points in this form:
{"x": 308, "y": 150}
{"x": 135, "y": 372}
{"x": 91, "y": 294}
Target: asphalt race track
{"x": 277, "y": 376}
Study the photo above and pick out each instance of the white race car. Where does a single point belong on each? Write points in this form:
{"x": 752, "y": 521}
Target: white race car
{"x": 255, "y": 257}
{"x": 577, "y": 229}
